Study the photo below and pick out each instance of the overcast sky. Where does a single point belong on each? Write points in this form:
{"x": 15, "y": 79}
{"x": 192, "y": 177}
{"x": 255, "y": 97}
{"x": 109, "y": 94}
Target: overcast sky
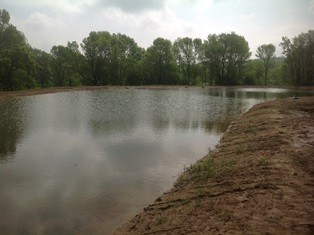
{"x": 54, "y": 22}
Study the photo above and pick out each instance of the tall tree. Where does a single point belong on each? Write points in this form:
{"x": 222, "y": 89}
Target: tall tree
{"x": 65, "y": 64}
{"x": 254, "y": 72}
{"x": 43, "y": 68}
{"x": 96, "y": 48}
{"x": 226, "y": 55}
{"x": 76, "y": 62}
{"x": 266, "y": 53}
{"x": 299, "y": 54}
{"x": 131, "y": 63}
{"x": 16, "y": 60}
{"x": 124, "y": 56}
{"x": 159, "y": 63}
{"x": 213, "y": 52}
{"x": 60, "y": 64}
{"x": 111, "y": 59}
{"x": 187, "y": 54}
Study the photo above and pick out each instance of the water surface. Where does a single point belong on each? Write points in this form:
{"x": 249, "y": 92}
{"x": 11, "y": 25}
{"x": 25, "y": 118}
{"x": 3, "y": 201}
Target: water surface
{"x": 82, "y": 162}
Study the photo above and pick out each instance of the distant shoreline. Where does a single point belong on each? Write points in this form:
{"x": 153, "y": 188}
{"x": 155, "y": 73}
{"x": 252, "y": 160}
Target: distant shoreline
{"x": 40, "y": 91}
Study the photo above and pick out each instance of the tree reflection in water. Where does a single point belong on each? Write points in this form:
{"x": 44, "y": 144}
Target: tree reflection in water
{"x": 12, "y": 122}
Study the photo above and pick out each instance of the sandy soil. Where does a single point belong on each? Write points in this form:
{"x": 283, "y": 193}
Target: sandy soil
{"x": 260, "y": 179}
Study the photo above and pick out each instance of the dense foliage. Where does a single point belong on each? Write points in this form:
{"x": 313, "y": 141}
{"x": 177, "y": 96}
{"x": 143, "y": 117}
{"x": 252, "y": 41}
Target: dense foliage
{"x": 116, "y": 59}
{"x": 266, "y": 54}
{"x": 226, "y": 55}
{"x": 299, "y": 53}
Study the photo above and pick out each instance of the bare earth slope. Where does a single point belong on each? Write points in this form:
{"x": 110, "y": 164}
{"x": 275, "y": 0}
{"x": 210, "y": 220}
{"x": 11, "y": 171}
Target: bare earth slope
{"x": 260, "y": 179}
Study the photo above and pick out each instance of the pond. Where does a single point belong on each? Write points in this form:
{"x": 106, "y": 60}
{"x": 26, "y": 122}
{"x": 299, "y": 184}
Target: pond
{"x": 83, "y": 162}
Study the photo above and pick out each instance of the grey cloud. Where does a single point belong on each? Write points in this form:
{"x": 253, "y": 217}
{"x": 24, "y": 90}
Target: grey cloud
{"x": 133, "y": 6}
{"x": 311, "y": 7}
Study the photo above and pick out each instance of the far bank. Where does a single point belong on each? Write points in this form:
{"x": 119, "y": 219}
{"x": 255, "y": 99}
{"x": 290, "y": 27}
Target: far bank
{"x": 40, "y": 91}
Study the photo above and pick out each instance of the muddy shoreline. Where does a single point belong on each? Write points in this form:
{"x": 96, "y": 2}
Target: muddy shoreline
{"x": 260, "y": 179}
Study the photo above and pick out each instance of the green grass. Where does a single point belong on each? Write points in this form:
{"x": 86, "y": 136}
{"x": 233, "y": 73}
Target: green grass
{"x": 207, "y": 168}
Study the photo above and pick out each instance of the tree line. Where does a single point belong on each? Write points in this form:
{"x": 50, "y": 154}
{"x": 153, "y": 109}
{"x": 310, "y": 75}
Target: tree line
{"x": 115, "y": 59}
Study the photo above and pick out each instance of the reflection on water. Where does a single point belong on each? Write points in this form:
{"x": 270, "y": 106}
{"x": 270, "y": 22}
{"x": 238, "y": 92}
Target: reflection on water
{"x": 82, "y": 162}
{"x": 12, "y": 118}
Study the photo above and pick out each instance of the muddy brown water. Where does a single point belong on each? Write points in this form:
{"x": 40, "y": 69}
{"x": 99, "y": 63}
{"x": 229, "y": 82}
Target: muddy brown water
{"x": 83, "y": 162}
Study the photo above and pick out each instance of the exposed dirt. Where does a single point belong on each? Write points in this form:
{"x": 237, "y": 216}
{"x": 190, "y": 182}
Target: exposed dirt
{"x": 260, "y": 179}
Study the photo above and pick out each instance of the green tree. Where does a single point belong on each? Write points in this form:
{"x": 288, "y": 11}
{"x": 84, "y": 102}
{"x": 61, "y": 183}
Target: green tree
{"x": 266, "y": 53}
{"x": 23, "y": 64}
{"x": 187, "y": 53}
{"x": 124, "y": 56}
{"x": 299, "y": 56}
{"x": 43, "y": 74}
{"x": 253, "y": 72}
{"x": 66, "y": 63}
{"x": 96, "y": 48}
{"x": 213, "y": 52}
{"x": 226, "y": 55}
{"x": 60, "y": 64}
{"x": 16, "y": 60}
{"x": 111, "y": 59}
{"x": 275, "y": 75}
{"x": 159, "y": 63}
{"x": 76, "y": 62}
{"x": 132, "y": 64}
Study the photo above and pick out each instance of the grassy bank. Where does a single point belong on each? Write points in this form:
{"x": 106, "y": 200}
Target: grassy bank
{"x": 258, "y": 180}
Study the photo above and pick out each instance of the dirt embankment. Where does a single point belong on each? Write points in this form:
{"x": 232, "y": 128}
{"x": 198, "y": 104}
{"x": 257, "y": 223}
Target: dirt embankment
{"x": 260, "y": 179}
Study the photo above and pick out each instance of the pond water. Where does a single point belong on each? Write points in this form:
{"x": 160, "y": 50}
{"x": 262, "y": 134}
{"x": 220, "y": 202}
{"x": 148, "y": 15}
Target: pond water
{"x": 83, "y": 162}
